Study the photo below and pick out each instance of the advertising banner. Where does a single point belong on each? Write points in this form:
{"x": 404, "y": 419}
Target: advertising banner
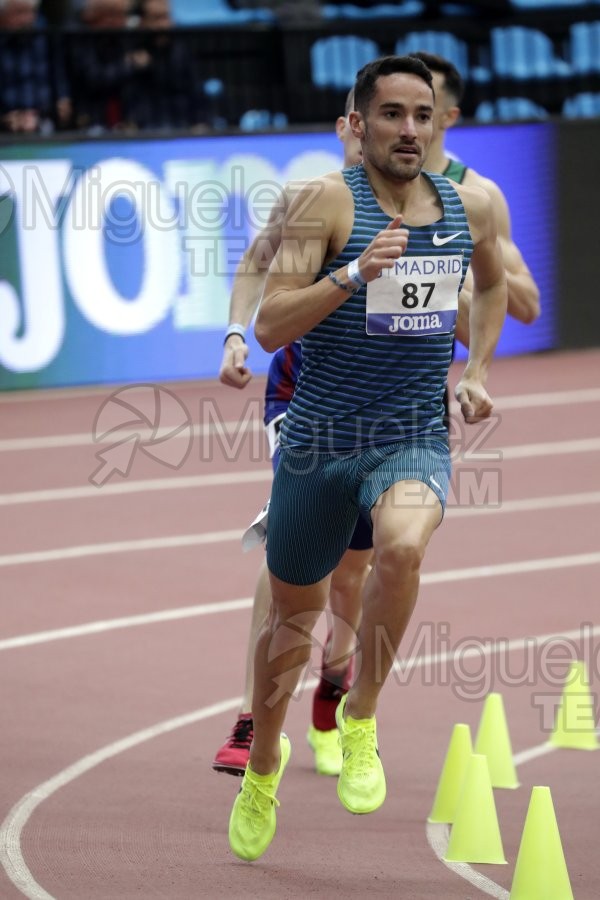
{"x": 117, "y": 256}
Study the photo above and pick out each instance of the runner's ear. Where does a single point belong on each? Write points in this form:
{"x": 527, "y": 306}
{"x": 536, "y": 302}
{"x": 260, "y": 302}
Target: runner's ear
{"x": 340, "y": 125}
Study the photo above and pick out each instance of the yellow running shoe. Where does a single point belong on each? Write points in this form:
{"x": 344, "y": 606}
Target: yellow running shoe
{"x": 361, "y": 785}
{"x": 327, "y": 750}
{"x": 253, "y": 821}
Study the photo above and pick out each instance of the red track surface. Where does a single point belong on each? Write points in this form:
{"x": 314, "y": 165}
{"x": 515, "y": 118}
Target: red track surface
{"x": 150, "y": 819}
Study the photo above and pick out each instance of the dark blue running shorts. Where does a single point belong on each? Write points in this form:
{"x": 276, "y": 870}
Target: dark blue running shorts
{"x": 318, "y": 498}
{"x": 362, "y": 536}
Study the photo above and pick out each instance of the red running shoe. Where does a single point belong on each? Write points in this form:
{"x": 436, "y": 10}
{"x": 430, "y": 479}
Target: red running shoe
{"x": 327, "y": 695}
{"x": 234, "y": 754}
{"x": 323, "y": 735}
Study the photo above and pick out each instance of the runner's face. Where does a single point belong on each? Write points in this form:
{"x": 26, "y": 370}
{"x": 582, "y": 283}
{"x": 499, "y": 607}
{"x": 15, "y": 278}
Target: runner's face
{"x": 398, "y": 126}
{"x": 444, "y": 106}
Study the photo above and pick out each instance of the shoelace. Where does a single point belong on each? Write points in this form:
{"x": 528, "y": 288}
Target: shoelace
{"x": 256, "y": 798}
{"x": 361, "y": 743}
{"x": 242, "y": 734}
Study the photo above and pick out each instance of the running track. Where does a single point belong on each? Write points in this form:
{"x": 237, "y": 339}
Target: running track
{"x": 124, "y": 619}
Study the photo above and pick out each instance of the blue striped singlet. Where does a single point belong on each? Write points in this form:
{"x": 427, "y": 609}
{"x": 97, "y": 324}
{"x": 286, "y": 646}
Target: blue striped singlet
{"x": 356, "y": 389}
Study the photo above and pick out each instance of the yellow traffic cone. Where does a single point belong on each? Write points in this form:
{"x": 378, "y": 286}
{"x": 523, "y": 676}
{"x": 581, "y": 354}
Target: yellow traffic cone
{"x": 452, "y": 775}
{"x": 475, "y": 835}
{"x": 575, "y": 726}
{"x": 493, "y": 740}
{"x": 541, "y": 872}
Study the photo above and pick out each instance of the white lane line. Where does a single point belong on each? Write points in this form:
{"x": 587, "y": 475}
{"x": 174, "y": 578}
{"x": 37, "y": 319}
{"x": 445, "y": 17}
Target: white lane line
{"x": 548, "y": 398}
{"x": 549, "y": 448}
{"x": 438, "y": 835}
{"x": 525, "y": 756}
{"x": 490, "y": 648}
{"x": 41, "y": 395}
{"x": 167, "y": 615}
{"x": 513, "y": 568}
{"x": 437, "y": 838}
{"x": 136, "y": 487}
{"x": 215, "y": 537}
{"x": 528, "y": 504}
{"x": 84, "y": 438}
{"x": 102, "y": 625}
{"x": 11, "y": 855}
{"x": 493, "y": 457}
{"x": 103, "y": 391}
{"x": 163, "y": 543}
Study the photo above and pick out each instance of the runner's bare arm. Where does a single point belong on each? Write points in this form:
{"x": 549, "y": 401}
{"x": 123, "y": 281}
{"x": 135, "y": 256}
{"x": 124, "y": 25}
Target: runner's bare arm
{"x": 247, "y": 289}
{"x": 292, "y": 302}
{"x": 488, "y": 305}
{"x": 464, "y": 309}
{"x": 523, "y": 292}
{"x": 316, "y": 228}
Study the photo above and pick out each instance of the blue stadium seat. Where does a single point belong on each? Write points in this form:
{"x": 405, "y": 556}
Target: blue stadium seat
{"x": 523, "y": 53}
{"x": 509, "y": 109}
{"x": 547, "y": 4}
{"x": 519, "y": 108}
{"x": 455, "y": 9}
{"x": 582, "y": 106}
{"x": 378, "y": 11}
{"x": 214, "y": 87}
{"x": 585, "y": 47}
{"x": 336, "y": 60}
{"x": 441, "y": 42}
{"x": 262, "y": 119}
{"x": 215, "y": 12}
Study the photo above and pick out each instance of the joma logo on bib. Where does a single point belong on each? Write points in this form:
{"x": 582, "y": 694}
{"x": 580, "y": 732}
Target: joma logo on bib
{"x": 423, "y": 323}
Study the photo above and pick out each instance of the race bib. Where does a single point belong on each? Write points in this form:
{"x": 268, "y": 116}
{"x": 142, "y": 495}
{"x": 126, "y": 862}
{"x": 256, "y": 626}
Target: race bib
{"x": 418, "y": 296}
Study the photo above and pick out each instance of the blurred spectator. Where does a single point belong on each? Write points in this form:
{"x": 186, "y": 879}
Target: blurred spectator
{"x": 101, "y": 63}
{"x": 165, "y": 90}
{"x": 19, "y": 14}
{"x": 28, "y": 83}
{"x": 156, "y": 14}
{"x": 106, "y": 13}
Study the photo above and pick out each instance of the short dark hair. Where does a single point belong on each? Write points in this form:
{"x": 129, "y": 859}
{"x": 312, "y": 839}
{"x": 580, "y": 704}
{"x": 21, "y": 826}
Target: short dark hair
{"x": 366, "y": 79}
{"x": 349, "y": 102}
{"x": 453, "y": 81}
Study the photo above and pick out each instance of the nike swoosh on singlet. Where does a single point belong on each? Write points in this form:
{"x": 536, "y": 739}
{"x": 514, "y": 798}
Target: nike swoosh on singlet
{"x": 440, "y": 241}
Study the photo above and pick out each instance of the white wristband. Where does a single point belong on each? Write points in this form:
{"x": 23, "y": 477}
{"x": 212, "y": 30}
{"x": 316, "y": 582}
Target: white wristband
{"x": 235, "y": 328}
{"x": 354, "y": 273}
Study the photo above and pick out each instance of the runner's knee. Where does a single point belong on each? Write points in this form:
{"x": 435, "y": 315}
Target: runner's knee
{"x": 398, "y": 557}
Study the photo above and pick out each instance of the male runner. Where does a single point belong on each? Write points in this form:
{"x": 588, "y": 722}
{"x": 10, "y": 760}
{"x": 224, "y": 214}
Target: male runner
{"x": 364, "y": 433}
{"x": 523, "y": 304}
